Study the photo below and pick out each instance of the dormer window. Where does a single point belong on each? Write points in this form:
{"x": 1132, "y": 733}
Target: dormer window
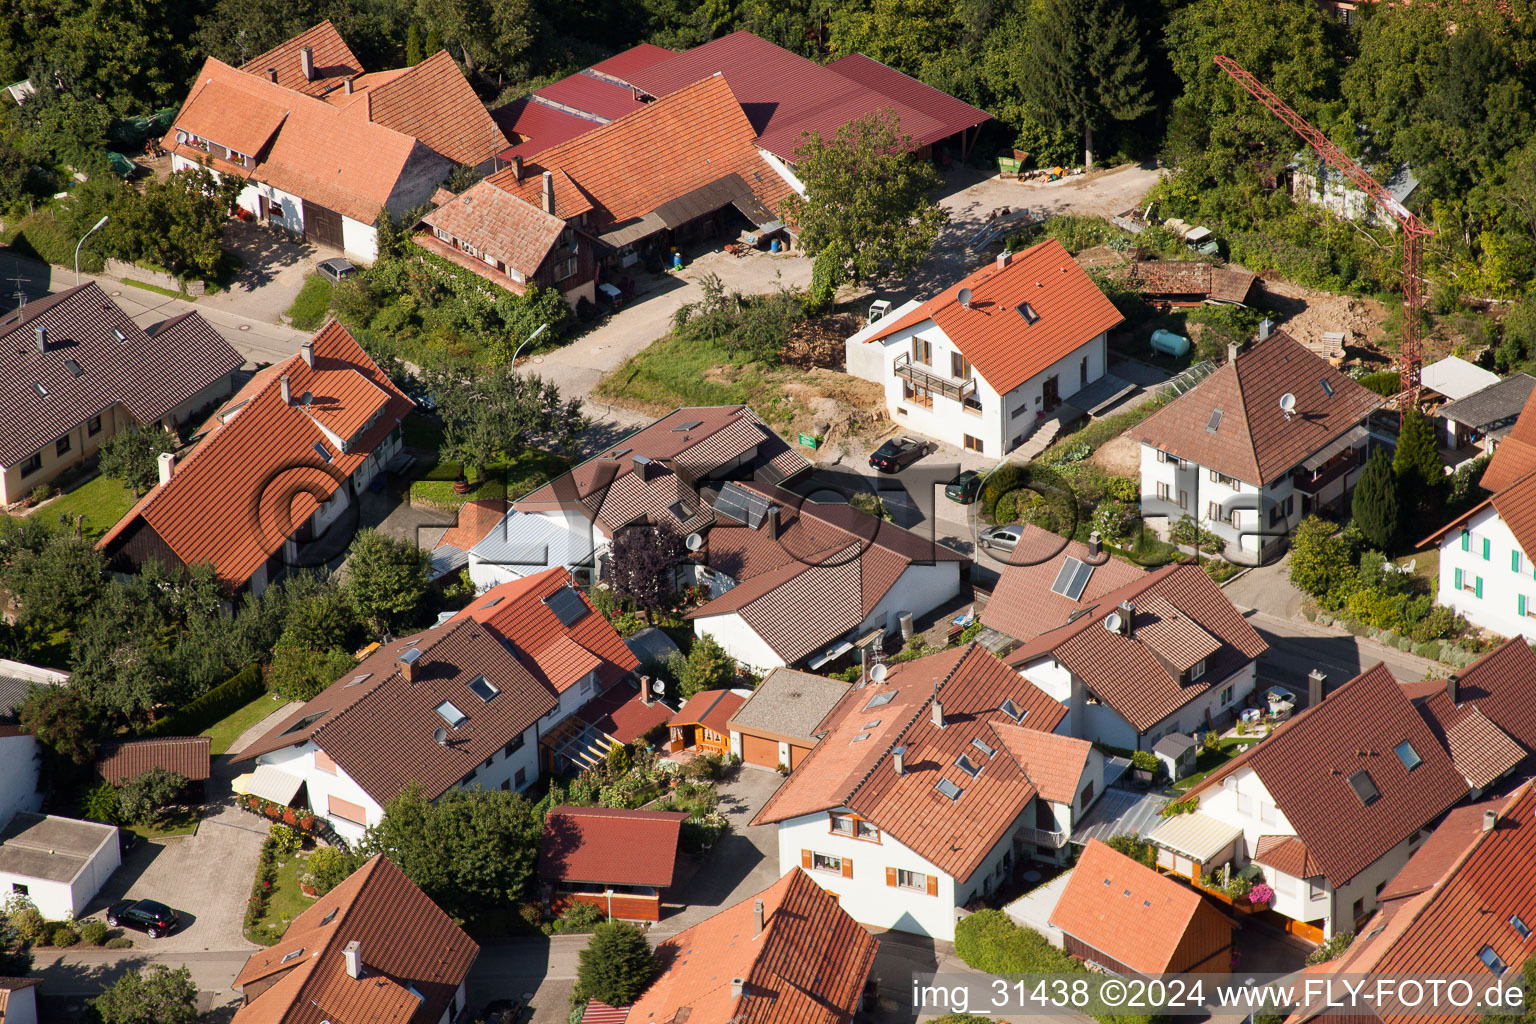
{"x": 1197, "y": 669}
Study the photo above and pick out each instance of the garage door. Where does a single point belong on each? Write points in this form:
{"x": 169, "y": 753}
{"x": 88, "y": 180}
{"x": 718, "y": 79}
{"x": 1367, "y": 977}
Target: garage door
{"x": 322, "y": 226}
{"x": 759, "y": 751}
{"x": 796, "y": 755}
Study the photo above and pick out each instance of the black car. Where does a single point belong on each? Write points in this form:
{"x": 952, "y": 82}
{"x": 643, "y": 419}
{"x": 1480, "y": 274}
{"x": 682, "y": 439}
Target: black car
{"x": 898, "y": 453}
{"x": 964, "y": 487}
{"x": 336, "y": 268}
{"x": 156, "y": 919}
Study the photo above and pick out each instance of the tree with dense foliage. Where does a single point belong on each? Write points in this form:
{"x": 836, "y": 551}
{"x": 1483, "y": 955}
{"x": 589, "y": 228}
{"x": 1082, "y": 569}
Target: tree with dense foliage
{"x": 301, "y": 673}
{"x": 1321, "y": 561}
{"x": 1417, "y": 464}
{"x": 1087, "y": 66}
{"x": 53, "y": 575}
{"x": 642, "y": 564}
{"x": 329, "y": 866}
{"x": 147, "y": 794}
{"x": 15, "y": 951}
{"x": 494, "y": 415}
{"x": 63, "y": 721}
{"x": 152, "y": 995}
{"x": 1374, "y": 506}
{"x": 470, "y": 850}
{"x": 617, "y": 965}
{"x": 866, "y": 209}
{"x": 705, "y": 667}
{"x": 386, "y": 579}
{"x": 133, "y": 456}
{"x": 177, "y": 222}
{"x": 1133, "y": 846}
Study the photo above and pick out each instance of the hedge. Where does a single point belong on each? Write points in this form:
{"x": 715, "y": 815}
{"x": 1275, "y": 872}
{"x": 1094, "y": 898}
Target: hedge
{"x": 223, "y": 700}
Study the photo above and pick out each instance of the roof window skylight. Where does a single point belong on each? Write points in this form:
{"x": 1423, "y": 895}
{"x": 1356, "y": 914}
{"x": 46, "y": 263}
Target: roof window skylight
{"x": 1028, "y": 312}
{"x": 949, "y": 789}
{"x": 1012, "y": 710}
{"x": 1407, "y": 755}
{"x": 1364, "y": 787}
{"x": 452, "y": 715}
{"x": 293, "y": 955}
{"x": 483, "y": 688}
{"x": 981, "y": 745}
{"x": 882, "y": 698}
{"x": 965, "y": 764}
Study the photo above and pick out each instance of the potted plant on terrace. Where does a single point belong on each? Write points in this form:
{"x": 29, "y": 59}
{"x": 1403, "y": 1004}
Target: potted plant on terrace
{"x": 1260, "y": 896}
{"x": 1145, "y": 765}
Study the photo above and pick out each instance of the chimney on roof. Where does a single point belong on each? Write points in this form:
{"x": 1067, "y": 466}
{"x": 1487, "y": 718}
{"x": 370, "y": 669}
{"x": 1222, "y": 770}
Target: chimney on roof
{"x": 353, "y": 950}
{"x": 549, "y": 192}
{"x": 1128, "y": 619}
{"x": 772, "y": 519}
{"x": 1234, "y": 349}
{"x": 272, "y": 74}
{"x": 1265, "y": 326}
{"x": 1452, "y": 690}
{"x": 738, "y": 987}
{"x": 348, "y": 84}
{"x": 1095, "y": 544}
{"x": 167, "y": 466}
{"x": 1490, "y": 820}
{"x": 645, "y": 690}
{"x": 757, "y": 918}
{"x": 307, "y": 351}
{"x": 1003, "y": 259}
{"x": 1315, "y": 688}
{"x": 642, "y": 466}
{"x": 517, "y": 168}
{"x": 938, "y": 708}
{"x": 287, "y": 391}
{"x": 406, "y": 664}
{"x": 899, "y": 760}
{"x": 307, "y": 62}
{"x": 42, "y": 337}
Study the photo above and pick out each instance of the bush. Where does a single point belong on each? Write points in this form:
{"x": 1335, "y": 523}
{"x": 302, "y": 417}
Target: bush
{"x": 1330, "y": 949}
{"x": 120, "y": 942}
{"x": 1384, "y": 383}
{"x": 330, "y": 867}
{"x": 101, "y": 803}
{"x": 94, "y": 933}
{"x": 65, "y": 936}
{"x": 285, "y": 841}
{"x": 312, "y": 304}
{"x": 144, "y": 796}
{"x": 221, "y": 701}
{"x": 1134, "y": 847}
{"x": 29, "y": 923}
{"x": 580, "y": 917}
{"x": 990, "y": 941}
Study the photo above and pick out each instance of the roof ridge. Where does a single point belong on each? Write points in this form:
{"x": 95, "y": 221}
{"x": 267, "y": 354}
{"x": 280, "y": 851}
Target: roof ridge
{"x": 314, "y": 737}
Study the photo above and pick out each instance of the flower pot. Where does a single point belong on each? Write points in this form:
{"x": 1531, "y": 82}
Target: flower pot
{"x": 308, "y": 890}
{"x": 461, "y": 485}
{"x": 289, "y": 816}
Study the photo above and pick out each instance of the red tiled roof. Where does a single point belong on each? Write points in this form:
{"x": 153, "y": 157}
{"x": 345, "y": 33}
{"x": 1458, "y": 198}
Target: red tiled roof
{"x": 636, "y": 58}
{"x": 414, "y": 957}
{"x": 610, "y": 846}
{"x": 1515, "y": 456}
{"x": 503, "y": 226}
{"x": 1003, "y": 346}
{"x": 787, "y": 95}
{"x": 851, "y": 766}
{"x": 475, "y": 521}
{"x": 1142, "y": 919}
{"x": 1286, "y": 854}
{"x": 591, "y": 94}
{"x": 559, "y": 655}
{"x": 250, "y": 482}
{"x": 1255, "y": 441}
{"x": 1481, "y": 751}
{"x": 621, "y": 714}
{"x": 334, "y": 61}
{"x": 1306, "y": 765}
{"x": 1502, "y": 685}
{"x": 1444, "y": 847}
{"x": 381, "y": 728}
{"x": 710, "y": 708}
{"x": 1440, "y": 930}
{"x": 807, "y": 966}
{"x": 1023, "y": 605}
{"x": 1054, "y": 763}
{"x": 1515, "y": 505}
{"x": 185, "y": 755}
{"x": 1190, "y": 277}
{"x": 661, "y": 152}
{"x": 150, "y": 374}
{"x": 435, "y": 103}
{"x": 1180, "y": 618}
{"x": 538, "y": 125}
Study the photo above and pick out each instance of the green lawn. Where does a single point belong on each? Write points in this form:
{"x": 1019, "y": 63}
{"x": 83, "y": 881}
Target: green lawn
{"x": 1209, "y": 760}
{"x": 103, "y": 501}
{"x": 434, "y": 482}
{"x": 159, "y": 291}
{"x": 226, "y": 731}
{"x": 180, "y": 821}
{"x": 287, "y": 902}
{"x": 675, "y": 372}
{"x": 312, "y": 304}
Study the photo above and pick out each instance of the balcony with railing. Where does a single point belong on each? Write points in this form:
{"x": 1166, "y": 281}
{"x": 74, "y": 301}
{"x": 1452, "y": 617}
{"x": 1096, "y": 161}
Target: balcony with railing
{"x": 1043, "y": 837}
{"x": 926, "y": 379}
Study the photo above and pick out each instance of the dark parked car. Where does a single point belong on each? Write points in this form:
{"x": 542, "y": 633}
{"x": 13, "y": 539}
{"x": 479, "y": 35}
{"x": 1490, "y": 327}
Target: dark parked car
{"x": 964, "y": 487}
{"x": 335, "y": 268}
{"x": 156, "y": 919}
{"x": 898, "y": 453}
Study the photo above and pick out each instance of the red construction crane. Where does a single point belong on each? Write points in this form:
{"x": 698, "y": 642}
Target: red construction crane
{"x": 1414, "y": 230}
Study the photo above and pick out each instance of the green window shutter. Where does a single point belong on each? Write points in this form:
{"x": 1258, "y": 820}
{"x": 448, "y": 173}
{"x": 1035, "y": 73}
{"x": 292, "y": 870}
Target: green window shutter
{"x": 1514, "y": 560}
{"x": 1487, "y": 549}
{"x": 1479, "y": 590}
{"x": 1466, "y": 540}
{"x": 1458, "y": 579}
{"x": 1520, "y": 605}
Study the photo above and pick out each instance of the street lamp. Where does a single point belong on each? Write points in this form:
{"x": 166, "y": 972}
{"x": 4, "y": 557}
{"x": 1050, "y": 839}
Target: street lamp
{"x": 83, "y": 237}
{"x": 542, "y": 328}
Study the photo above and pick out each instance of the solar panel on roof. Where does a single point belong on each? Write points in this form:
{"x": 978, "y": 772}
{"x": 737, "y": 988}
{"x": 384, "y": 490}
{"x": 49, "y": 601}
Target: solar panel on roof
{"x": 567, "y": 606}
{"x": 744, "y": 506}
{"x": 1072, "y": 579}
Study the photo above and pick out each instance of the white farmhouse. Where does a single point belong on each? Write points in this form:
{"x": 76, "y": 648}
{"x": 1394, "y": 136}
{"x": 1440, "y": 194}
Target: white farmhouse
{"x": 930, "y": 788}
{"x": 1272, "y": 436}
{"x": 991, "y": 358}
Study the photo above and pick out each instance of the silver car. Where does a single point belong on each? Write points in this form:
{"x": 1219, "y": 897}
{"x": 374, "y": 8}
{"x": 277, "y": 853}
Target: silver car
{"x": 1001, "y": 538}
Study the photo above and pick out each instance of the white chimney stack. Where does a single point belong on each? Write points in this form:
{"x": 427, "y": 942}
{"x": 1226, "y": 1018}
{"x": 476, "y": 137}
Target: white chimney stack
{"x": 349, "y": 85}
{"x": 354, "y": 949}
{"x": 899, "y": 760}
{"x": 738, "y": 987}
{"x": 757, "y": 918}
{"x": 307, "y": 351}
{"x": 167, "y": 466}
{"x": 938, "y": 714}
{"x": 307, "y": 62}
{"x": 1490, "y": 820}
{"x": 549, "y": 192}
{"x": 287, "y": 392}
{"x": 42, "y": 337}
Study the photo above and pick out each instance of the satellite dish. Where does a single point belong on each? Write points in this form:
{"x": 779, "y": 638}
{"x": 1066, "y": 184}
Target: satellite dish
{"x": 441, "y": 735}
{"x": 658, "y": 687}
{"x": 181, "y": 137}
{"x": 965, "y": 297}
{"x": 1112, "y": 622}
{"x": 693, "y": 542}
{"x": 1287, "y": 404}
{"x": 877, "y": 674}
